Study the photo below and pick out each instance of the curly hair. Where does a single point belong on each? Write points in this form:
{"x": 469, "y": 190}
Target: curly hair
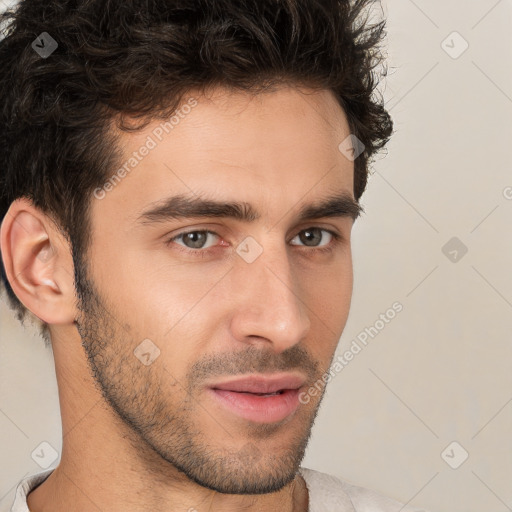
{"x": 119, "y": 59}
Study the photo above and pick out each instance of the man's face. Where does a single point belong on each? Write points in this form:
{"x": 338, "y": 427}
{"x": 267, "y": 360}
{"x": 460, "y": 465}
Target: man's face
{"x": 190, "y": 334}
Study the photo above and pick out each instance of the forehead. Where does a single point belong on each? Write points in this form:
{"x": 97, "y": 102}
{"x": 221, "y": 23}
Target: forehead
{"x": 226, "y": 121}
{"x": 236, "y": 145}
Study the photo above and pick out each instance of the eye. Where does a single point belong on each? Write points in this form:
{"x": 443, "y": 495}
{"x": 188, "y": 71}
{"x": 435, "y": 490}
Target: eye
{"x": 196, "y": 242}
{"x": 312, "y": 236}
{"x": 193, "y": 239}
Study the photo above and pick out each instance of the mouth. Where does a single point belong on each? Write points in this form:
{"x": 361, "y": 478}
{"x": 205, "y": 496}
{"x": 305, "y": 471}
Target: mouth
{"x": 258, "y": 398}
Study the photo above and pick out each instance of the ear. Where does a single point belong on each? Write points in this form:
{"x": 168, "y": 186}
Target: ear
{"x": 38, "y": 263}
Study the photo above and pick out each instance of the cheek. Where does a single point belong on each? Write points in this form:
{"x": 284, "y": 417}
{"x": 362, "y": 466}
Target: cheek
{"x": 328, "y": 294}
{"x": 328, "y": 291}
{"x": 175, "y": 306}
{"x": 152, "y": 290}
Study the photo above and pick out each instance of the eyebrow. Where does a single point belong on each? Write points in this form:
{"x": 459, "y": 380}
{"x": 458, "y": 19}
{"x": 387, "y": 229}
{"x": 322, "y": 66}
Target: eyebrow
{"x": 186, "y": 207}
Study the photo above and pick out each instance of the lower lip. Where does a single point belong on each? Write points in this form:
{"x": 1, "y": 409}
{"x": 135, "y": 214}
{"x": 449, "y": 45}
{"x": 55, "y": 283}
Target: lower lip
{"x": 259, "y": 408}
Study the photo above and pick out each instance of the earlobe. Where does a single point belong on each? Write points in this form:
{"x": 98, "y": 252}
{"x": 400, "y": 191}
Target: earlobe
{"x": 35, "y": 260}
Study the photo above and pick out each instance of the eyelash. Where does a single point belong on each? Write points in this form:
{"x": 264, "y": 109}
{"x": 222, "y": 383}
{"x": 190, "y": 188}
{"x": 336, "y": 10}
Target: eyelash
{"x": 202, "y": 253}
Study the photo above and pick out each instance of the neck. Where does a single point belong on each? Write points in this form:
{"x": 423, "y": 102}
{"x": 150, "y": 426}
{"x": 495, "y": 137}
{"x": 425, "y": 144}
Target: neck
{"x": 62, "y": 492}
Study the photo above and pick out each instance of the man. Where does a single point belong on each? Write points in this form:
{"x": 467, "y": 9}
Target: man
{"x": 178, "y": 188}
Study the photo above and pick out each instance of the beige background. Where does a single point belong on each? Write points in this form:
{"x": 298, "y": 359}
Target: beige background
{"x": 439, "y": 372}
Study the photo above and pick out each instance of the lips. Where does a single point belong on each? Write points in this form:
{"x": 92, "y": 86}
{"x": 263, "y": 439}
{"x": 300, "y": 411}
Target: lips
{"x": 261, "y": 385}
{"x": 260, "y": 399}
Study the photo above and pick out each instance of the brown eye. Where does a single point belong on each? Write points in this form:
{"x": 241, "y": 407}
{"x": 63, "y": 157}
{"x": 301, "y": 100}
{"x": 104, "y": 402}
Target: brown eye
{"x": 312, "y": 237}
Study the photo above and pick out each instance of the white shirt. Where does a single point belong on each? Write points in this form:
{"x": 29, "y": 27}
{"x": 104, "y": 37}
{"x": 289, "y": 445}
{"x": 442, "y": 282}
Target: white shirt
{"x": 326, "y": 494}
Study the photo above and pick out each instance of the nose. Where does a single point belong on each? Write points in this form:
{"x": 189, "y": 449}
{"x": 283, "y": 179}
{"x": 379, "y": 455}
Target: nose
{"x": 268, "y": 306}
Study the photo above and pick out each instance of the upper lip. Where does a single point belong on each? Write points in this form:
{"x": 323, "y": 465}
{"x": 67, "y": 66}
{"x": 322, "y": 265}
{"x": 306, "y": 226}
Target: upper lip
{"x": 261, "y": 384}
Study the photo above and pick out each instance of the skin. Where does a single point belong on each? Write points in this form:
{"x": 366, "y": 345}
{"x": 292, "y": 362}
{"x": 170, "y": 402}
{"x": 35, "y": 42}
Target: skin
{"x": 128, "y": 427}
